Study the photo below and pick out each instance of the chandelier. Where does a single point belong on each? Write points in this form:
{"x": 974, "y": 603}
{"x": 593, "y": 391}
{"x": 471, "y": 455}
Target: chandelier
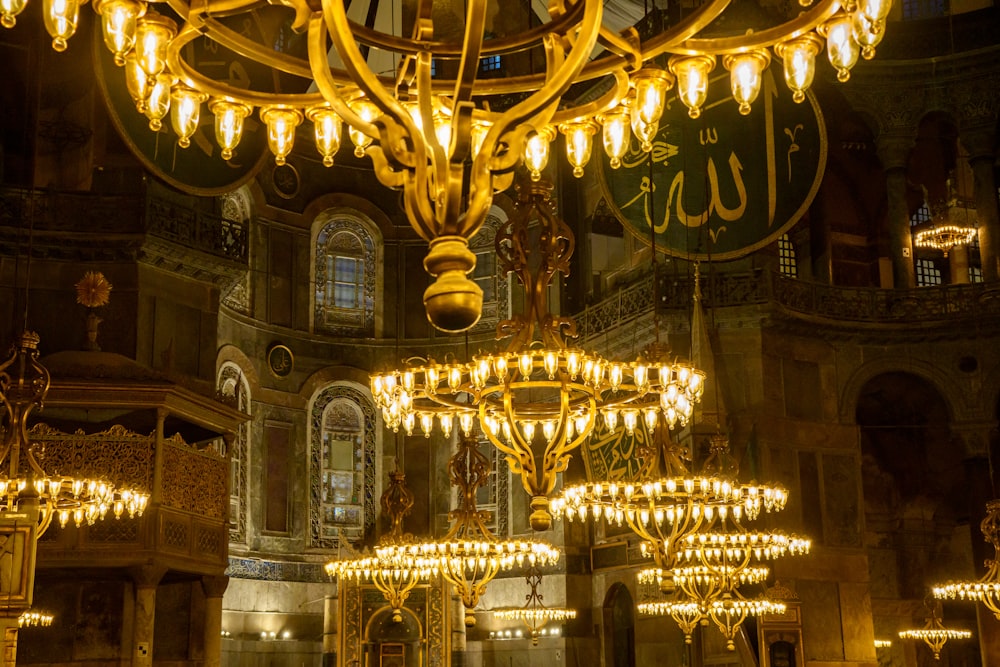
{"x": 934, "y": 634}
{"x": 433, "y": 125}
{"x": 727, "y": 612}
{"x": 24, "y": 486}
{"x": 987, "y": 588}
{"x": 952, "y": 225}
{"x": 539, "y": 398}
{"x": 534, "y": 614}
{"x": 469, "y": 556}
{"x": 31, "y": 618}
{"x": 393, "y": 575}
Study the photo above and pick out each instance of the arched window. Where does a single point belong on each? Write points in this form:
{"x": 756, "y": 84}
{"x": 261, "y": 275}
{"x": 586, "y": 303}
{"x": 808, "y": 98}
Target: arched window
{"x": 345, "y": 272}
{"x": 921, "y": 215}
{"x": 496, "y": 303}
{"x": 232, "y": 386}
{"x": 786, "y": 257}
{"x": 342, "y": 465}
{"x": 235, "y": 230}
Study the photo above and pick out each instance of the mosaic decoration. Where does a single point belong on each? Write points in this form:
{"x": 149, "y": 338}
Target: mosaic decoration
{"x": 236, "y": 209}
{"x": 617, "y": 456}
{"x": 345, "y": 236}
{"x": 119, "y": 455}
{"x": 271, "y": 570}
{"x": 367, "y": 410}
{"x": 232, "y": 384}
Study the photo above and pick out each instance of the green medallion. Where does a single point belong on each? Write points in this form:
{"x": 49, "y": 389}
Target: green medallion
{"x": 723, "y": 185}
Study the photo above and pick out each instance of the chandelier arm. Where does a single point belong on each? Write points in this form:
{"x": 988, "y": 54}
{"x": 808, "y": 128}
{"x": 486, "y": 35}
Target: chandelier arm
{"x": 800, "y": 25}
{"x": 626, "y": 44}
{"x": 606, "y": 102}
{"x": 667, "y": 40}
{"x": 472, "y": 45}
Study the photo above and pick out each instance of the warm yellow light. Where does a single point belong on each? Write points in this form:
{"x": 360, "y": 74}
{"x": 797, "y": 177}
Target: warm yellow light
{"x": 136, "y": 81}
{"x": 229, "y": 118}
{"x": 281, "y": 123}
{"x": 61, "y": 17}
{"x": 367, "y": 112}
{"x": 745, "y": 71}
{"x": 616, "y": 134}
{"x": 9, "y": 9}
{"x": 185, "y": 113}
{"x": 152, "y": 34}
{"x": 328, "y": 128}
{"x": 875, "y": 10}
{"x": 841, "y": 47}
{"x": 536, "y": 152}
{"x": 158, "y": 102}
{"x": 478, "y": 136}
{"x": 644, "y": 132}
{"x": 118, "y": 21}
{"x": 651, "y": 86}
{"x": 579, "y": 144}
{"x": 692, "y": 80}
{"x": 868, "y": 33}
{"x": 798, "y": 58}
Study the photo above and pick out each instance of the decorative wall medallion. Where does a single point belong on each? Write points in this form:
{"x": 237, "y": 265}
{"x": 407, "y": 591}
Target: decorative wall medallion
{"x": 286, "y": 181}
{"x": 280, "y": 360}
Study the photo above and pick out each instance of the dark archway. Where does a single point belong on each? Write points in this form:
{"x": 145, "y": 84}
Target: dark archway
{"x": 619, "y": 627}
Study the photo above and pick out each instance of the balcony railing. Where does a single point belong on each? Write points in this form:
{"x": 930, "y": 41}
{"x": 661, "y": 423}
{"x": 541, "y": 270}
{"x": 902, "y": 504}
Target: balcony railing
{"x": 863, "y": 306}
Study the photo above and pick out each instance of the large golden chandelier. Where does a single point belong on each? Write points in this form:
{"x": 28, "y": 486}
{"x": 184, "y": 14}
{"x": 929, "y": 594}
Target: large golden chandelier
{"x": 539, "y": 398}
{"x": 434, "y": 127}
{"x": 987, "y": 588}
{"x": 26, "y": 489}
{"x": 534, "y": 613}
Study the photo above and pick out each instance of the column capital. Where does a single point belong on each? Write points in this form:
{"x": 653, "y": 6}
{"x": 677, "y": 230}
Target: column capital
{"x": 894, "y": 150}
{"x": 214, "y": 586}
{"x": 147, "y": 576}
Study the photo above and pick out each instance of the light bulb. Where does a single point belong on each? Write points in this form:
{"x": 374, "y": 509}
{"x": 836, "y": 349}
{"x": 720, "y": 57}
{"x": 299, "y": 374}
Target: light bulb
{"x": 281, "y": 123}
{"x": 616, "y": 134}
{"x": 152, "y": 34}
{"x": 229, "y": 116}
{"x": 651, "y": 86}
{"x": 368, "y": 112}
{"x": 579, "y": 143}
{"x": 185, "y": 113}
{"x": 158, "y": 102}
{"x": 61, "y": 17}
{"x": 644, "y": 132}
{"x": 841, "y": 47}
{"x": 875, "y": 10}
{"x": 119, "y": 19}
{"x": 798, "y": 58}
{"x": 692, "y": 80}
{"x": 136, "y": 81}
{"x": 9, "y": 9}
{"x": 328, "y": 131}
{"x": 867, "y": 33}
{"x": 536, "y": 151}
{"x": 745, "y": 76}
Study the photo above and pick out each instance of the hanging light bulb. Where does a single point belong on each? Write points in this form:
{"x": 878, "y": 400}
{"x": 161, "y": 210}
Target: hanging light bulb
{"x": 185, "y": 113}
{"x": 328, "y": 128}
{"x": 158, "y": 102}
{"x": 229, "y": 116}
{"x": 644, "y": 132}
{"x": 745, "y": 75}
{"x": 281, "y": 123}
{"x": 61, "y": 17}
{"x": 692, "y": 80}
{"x": 651, "y": 86}
{"x": 136, "y": 81}
{"x": 152, "y": 34}
{"x": 119, "y": 19}
{"x": 536, "y": 152}
{"x": 867, "y": 33}
{"x": 876, "y": 11}
{"x": 841, "y": 47}
{"x": 579, "y": 143}
{"x": 9, "y": 9}
{"x": 367, "y": 112}
{"x": 616, "y": 134}
{"x": 798, "y": 58}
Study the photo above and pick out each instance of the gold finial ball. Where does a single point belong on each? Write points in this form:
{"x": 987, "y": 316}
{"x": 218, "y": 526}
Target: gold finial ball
{"x": 470, "y": 619}
{"x": 453, "y": 302}
{"x": 540, "y": 519}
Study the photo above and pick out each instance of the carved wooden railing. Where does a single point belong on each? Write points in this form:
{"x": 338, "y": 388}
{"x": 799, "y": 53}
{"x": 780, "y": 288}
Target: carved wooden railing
{"x": 57, "y": 213}
{"x": 848, "y": 306}
{"x": 187, "y": 514}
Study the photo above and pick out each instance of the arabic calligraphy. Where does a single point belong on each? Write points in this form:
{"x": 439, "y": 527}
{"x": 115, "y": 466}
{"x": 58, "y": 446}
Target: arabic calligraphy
{"x": 714, "y": 189}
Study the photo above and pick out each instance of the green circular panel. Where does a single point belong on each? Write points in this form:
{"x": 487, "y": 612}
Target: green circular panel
{"x": 722, "y": 185}
{"x": 198, "y": 169}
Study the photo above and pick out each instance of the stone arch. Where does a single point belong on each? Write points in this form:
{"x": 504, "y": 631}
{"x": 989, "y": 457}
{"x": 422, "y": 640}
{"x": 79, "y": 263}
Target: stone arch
{"x": 232, "y": 383}
{"x": 941, "y": 380}
{"x": 232, "y": 354}
{"x": 619, "y": 626}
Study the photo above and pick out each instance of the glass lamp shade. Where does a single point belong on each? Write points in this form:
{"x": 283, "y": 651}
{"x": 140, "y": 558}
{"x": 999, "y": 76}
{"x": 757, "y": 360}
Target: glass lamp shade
{"x": 229, "y": 117}
{"x": 798, "y": 58}
{"x": 328, "y": 130}
{"x": 579, "y": 144}
{"x": 185, "y": 113}
{"x": 152, "y": 34}
{"x": 119, "y": 20}
{"x": 841, "y": 47}
{"x": 158, "y": 102}
{"x": 367, "y": 112}
{"x": 281, "y": 123}
{"x": 692, "y": 80}
{"x": 61, "y": 18}
{"x": 9, "y": 9}
{"x": 616, "y": 135}
{"x": 745, "y": 71}
{"x": 536, "y": 152}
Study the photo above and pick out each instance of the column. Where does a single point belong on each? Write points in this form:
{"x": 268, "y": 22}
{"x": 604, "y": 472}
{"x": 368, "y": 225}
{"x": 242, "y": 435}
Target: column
{"x": 331, "y": 626}
{"x": 894, "y": 152}
{"x": 979, "y": 143}
{"x": 958, "y": 265}
{"x": 975, "y": 438}
{"x": 457, "y": 629}
{"x": 8, "y": 643}
{"x": 145, "y": 578}
{"x": 214, "y": 588}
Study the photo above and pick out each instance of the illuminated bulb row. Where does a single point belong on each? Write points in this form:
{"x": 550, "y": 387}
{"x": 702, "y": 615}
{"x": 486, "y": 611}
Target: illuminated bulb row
{"x": 733, "y": 607}
{"x": 82, "y": 500}
{"x": 932, "y": 634}
{"x": 31, "y": 618}
{"x": 771, "y": 543}
{"x": 366, "y": 568}
{"x": 535, "y": 614}
{"x": 505, "y": 553}
{"x": 981, "y": 591}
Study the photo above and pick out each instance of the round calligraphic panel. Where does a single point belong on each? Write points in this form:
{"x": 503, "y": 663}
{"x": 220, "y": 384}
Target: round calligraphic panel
{"x": 198, "y": 169}
{"x": 723, "y": 185}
